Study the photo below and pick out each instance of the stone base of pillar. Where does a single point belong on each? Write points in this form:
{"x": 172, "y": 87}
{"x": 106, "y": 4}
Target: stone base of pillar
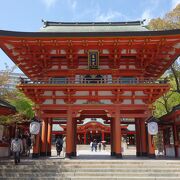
{"x": 48, "y": 153}
{"x": 118, "y": 155}
{"x": 42, "y": 153}
{"x": 152, "y": 156}
{"x": 69, "y": 155}
{"x": 144, "y": 154}
{"x": 141, "y": 154}
{"x": 113, "y": 153}
{"x": 35, "y": 155}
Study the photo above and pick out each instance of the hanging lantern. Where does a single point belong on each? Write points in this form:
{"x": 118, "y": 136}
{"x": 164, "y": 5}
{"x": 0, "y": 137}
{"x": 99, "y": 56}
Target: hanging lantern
{"x": 152, "y": 128}
{"x": 34, "y": 127}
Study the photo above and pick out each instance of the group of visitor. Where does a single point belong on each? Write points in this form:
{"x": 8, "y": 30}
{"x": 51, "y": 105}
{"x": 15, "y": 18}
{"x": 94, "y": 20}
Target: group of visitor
{"x": 94, "y": 145}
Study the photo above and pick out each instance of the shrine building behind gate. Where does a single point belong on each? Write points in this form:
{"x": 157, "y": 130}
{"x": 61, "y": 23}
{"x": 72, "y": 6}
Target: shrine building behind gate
{"x": 93, "y": 70}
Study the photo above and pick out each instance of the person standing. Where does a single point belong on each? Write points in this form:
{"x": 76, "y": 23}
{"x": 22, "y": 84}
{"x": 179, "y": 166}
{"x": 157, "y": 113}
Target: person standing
{"x": 99, "y": 146}
{"x": 16, "y": 148}
{"x": 59, "y": 145}
{"x": 64, "y": 146}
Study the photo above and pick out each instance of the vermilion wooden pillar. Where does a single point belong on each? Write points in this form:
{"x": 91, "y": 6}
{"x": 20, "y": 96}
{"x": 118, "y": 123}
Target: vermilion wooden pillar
{"x": 49, "y": 136}
{"x": 85, "y": 138}
{"x": 70, "y": 134}
{"x": 36, "y": 146}
{"x": 112, "y": 137}
{"x": 175, "y": 140}
{"x": 143, "y": 137}
{"x": 117, "y": 134}
{"x": 138, "y": 148}
{"x": 44, "y": 137}
{"x": 102, "y": 135}
{"x": 74, "y": 137}
{"x": 151, "y": 149}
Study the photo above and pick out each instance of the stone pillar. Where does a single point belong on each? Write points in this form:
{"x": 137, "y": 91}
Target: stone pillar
{"x": 49, "y": 137}
{"x": 69, "y": 133}
{"x": 117, "y": 134}
{"x": 44, "y": 137}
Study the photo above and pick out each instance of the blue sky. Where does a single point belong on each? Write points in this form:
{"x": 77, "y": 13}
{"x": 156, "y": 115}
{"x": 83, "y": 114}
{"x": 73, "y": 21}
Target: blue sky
{"x": 26, "y": 15}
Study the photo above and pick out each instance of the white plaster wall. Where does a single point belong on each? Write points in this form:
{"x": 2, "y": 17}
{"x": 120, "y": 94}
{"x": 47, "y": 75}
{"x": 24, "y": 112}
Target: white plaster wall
{"x": 82, "y": 67}
{"x": 82, "y": 93}
{"x": 80, "y": 102}
{"x": 105, "y": 101}
{"x": 127, "y": 93}
{"x": 122, "y": 66}
{"x": 138, "y": 101}
{"x": 64, "y": 67}
{"x": 47, "y": 93}
{"x": 60, "y": 101}
{"x": 126, "y": 101}
{"x": 170, "y": 152}
{"x": 54, "y": 67}
{"x": 59, "y": 93}
{"x": 48, "y": 101}
{"x": 105, "y": 93}
{"x": 132, "y": 67}
{"x": 104, "y": 67}
{"x": 139, "y": 93}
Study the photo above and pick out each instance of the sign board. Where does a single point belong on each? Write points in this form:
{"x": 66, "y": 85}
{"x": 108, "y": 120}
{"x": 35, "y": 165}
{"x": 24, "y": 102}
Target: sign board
{"x": 93, "y": 59}
{"x": 152, "y": 128}
{"x": 34, "y": 128}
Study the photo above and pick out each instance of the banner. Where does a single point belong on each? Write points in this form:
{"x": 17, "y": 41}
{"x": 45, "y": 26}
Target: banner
{"x": 152, "y": 128}
{"x": 34, "y": 128}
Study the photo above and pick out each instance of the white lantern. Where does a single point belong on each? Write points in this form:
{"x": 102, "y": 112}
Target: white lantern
{"x": 34, "y": 128}
{"x": 152, "y": 128}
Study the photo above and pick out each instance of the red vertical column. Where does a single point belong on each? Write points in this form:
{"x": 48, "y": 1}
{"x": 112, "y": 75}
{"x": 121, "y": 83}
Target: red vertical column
{"x": 44, "y": 137}
{"x": 143, "y": 138}
{"x": 36, "y": 146}
{"x": 102, "y": 135}
{"x": 74, "y": 137}
{"x": 138, "y": 149}
{"x": 49, "y": 137}
{"x": 69, "y": 133}
{"x": 112, "y": 137}
{"x": 151, "y": 149}
{"x": 117, "y": 134}
{"x": 175, "y": 140}
{"x": 84, "y": 137}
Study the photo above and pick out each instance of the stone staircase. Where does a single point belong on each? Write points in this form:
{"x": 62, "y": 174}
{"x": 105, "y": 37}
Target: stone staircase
{"x": 64, "y": 169}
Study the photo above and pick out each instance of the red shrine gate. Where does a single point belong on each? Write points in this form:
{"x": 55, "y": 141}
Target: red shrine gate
{"x": 96, "y": 70}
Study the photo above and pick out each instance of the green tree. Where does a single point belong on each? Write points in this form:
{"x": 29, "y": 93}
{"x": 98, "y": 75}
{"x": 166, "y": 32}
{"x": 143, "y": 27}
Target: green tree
{"x": 165, "y": 104}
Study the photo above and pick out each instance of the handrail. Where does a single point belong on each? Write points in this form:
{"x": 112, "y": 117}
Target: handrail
{"x": 94, "y": 81}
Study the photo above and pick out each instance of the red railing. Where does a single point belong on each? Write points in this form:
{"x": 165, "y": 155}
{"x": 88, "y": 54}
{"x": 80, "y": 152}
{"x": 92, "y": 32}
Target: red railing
{"x": 95, "y": 81}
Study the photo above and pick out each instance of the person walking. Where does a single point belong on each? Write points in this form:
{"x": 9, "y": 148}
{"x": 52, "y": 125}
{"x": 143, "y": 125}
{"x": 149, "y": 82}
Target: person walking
{"x": 99, "y": 145}
{"x": 64, "y": 146}
{"x": 16, "y": 148}
{"x": 59, "y": 145}
{"x": 91, "y": 145}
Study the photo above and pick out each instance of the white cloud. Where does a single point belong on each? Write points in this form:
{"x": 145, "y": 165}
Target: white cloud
{"x": 49, "y": 3}
{"x": 175, "y": 3}
{"x": 109, "y": 16}
{"x": 147, "y": 15}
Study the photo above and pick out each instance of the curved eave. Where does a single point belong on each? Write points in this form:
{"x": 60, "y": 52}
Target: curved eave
{"x": 4, "y": 33}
